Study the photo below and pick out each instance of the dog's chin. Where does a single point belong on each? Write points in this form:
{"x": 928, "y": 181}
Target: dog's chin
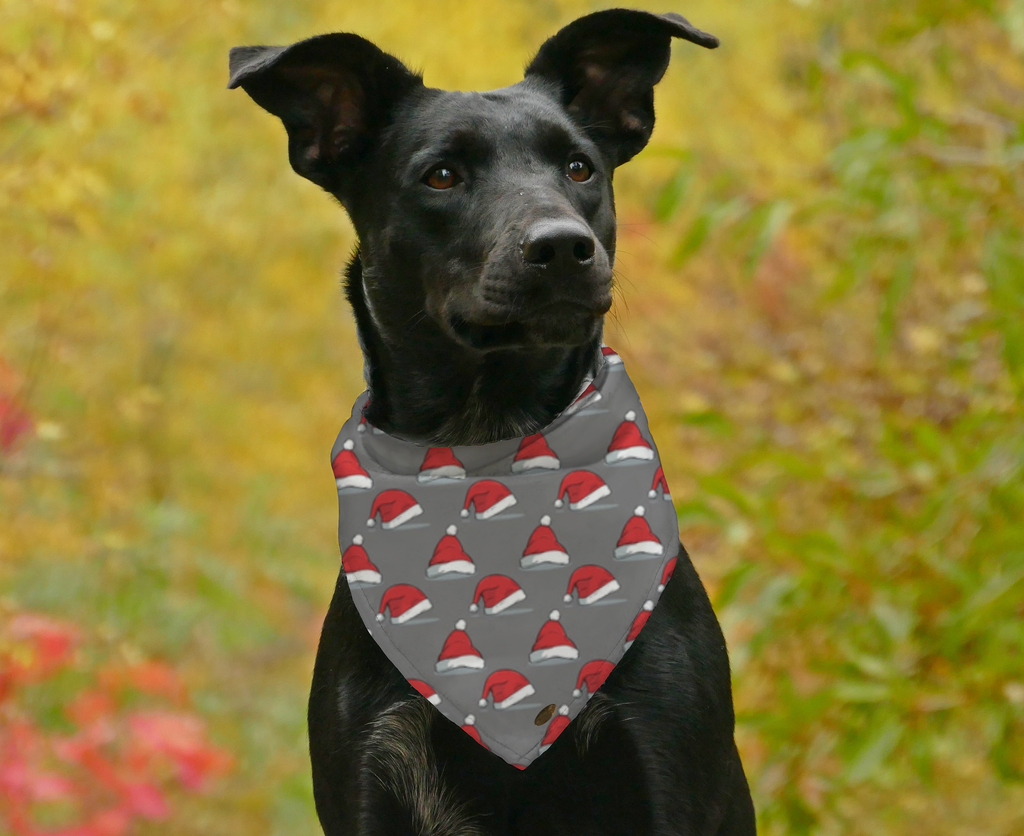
{"x": 563, "y": 324}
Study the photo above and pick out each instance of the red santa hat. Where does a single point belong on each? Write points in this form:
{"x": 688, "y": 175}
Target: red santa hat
{"x": 627, "y": 443}
{"x": 458, "y": 651}
{"x": 593, "y": 674}
{"x": 428, "y": 692}
{"x": 637, "y": 537}
{"x": 395, "y": 508}
{"x": 638, "y": 623}
{"x": 659, "y": 483}
{"x": 535, "y": 454}
{"x": 506, "y": 687}
{"x": 405, "y": 601}
{"x": 357, "y": 565}
{"x": 553, "y": 642}
{"x": 555, "y": 728}
{"x": 584, "y": 488}
{"x": 469, "y": 727}
{"x": 449, "y": 557}
{"x": 440, "y": 463}
{"x": 499, "y": 592}
{"x": 666, "y": 573}
{"x": 348, "y": 473}
{"x": 610, "y": 357}
{"x": 489, "y": 498}
{"x": 592, "y": 583}
{"x": 585, "y": 398}
{"x": 543, "y": 547}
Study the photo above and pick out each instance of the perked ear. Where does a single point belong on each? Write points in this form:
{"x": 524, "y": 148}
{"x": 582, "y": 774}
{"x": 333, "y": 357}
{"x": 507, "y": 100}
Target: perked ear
{"x": 605, "y": 66}
{"x": 334, "y": 93}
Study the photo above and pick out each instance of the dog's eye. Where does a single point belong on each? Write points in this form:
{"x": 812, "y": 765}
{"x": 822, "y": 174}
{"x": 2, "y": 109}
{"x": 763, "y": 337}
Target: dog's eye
{"x": 442, "y": 177}
{"x": 579, "y": 170}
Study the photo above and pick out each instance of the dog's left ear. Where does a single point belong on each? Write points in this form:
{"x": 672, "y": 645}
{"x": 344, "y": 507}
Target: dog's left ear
{"x": 334, "y": 94}
{"x": 605, "y": 66}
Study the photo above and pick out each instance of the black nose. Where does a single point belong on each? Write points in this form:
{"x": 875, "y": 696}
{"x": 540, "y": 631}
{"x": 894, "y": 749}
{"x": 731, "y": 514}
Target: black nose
{"x": 561, "y": 243}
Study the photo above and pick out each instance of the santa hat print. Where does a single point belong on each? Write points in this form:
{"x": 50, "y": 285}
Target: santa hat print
{"x": 552, "y": 642}
{"x": 610, "y": 357}
{"x": 458, "y": 651}
{"x": 666, "y": 573}
{"x": 348, "y": 473}
{"x": 592, "y": 583}
{"x": 659, "y": 483}
{"x": 535, "y": 454}
{"x": 356, "y": 564}
{"x": 506, "y": 687}
{"x": 583, "y": 487}
{"x": 440, "y": 463}
{"x": 593, "y": 674}
{"x": 449, "y": 557}
{"x": 637, "y": 537}
{"x": 395, "y": 508}
{"x": 405, "y": 601}
{"x": 588, "y": 396}
{"x": 627, "y": 443}
{"x": 469, "y": 727}
{"x": 638, "y": 623}
{"x": 543, "y": 547}
{"x": 499, "y": 592}
{"x": 429, "y": 693}
{"x": 488, "y": 497}
{"x": 555, "y": 728}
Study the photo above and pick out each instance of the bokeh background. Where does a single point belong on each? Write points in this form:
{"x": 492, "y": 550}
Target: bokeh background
{"x": 820, "y": 299}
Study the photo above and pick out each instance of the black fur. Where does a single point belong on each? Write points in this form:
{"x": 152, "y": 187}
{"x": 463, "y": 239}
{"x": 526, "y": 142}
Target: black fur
{"x": 479, "y": 290}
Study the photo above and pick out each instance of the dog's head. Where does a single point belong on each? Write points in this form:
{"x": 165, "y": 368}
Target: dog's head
{"x": 486, "y": 219}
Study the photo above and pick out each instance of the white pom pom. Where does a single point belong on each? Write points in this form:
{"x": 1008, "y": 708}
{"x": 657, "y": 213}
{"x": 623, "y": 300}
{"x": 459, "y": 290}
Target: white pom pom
{"x": 631, "y": 415}
{"x": 545, "y": 520}
{"x": 358, "y": 540}
{"x": 554, "y": 615}
{"x": 652, "y": 493}
{"x": 576, "y": 692}
{"x": 470, "y": 720}
{"x": 460, "y": 624}
{"x": 464, "y": 512}
{"x": 648, "y": 605}
{"x": 474, "y": 607}
{"x": 482, "y": 703}
{"x": 371, "y": 522}
{"x": 567, "y": 598}
{"x": 661, "y": 587}
{"x": 450, "y": 530}
{"x": 349, "y": 444}
{"x": 559, "y": 503}
{"x": 640, "y": 510}
{"x": 564, "y": 711}
{"x": 361, "y": 428}
{"x": 380, "y": 616}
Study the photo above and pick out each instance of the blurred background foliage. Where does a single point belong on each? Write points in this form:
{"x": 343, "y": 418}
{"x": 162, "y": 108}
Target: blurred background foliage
{"x": 820, "y": 297}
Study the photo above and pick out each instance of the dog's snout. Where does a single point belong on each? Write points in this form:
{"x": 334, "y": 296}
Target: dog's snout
{"x": 561, "y": 242}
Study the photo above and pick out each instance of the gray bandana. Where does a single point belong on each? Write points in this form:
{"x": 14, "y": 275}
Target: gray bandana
{"x": 506, "y": 580}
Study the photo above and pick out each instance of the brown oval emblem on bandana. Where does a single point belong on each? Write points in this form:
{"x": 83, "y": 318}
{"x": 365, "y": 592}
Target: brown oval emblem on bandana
{"x": 545, "y": 714}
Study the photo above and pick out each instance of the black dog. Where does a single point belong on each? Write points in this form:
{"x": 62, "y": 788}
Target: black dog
{"x": 486, "y": 229}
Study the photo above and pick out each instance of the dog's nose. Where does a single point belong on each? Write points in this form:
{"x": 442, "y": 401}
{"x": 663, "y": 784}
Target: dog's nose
{"x": 561, "y": 242}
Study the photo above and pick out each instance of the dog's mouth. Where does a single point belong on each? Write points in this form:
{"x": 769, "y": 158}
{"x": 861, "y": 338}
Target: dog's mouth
{"x": 563, "y": 323}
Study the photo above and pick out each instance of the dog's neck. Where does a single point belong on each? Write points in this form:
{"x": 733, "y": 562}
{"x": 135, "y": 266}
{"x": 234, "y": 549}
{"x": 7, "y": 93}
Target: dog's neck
{"x": 427, "y": 388}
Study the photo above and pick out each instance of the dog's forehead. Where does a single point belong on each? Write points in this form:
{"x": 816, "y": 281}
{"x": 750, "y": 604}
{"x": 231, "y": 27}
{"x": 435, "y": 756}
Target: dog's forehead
{"x": 509, "y": 115}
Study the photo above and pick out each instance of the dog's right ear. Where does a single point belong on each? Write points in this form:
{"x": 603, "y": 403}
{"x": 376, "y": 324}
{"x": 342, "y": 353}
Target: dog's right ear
{"x": 334, "y": 93}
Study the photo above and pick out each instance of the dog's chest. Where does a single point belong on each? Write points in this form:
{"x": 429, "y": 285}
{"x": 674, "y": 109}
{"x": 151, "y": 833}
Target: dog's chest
{"x": 506, "y": 580}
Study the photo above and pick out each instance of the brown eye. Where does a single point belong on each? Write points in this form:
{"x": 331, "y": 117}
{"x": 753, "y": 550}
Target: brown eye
{"x": 579, "y": 170}
{"x": 442, "y": 178}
